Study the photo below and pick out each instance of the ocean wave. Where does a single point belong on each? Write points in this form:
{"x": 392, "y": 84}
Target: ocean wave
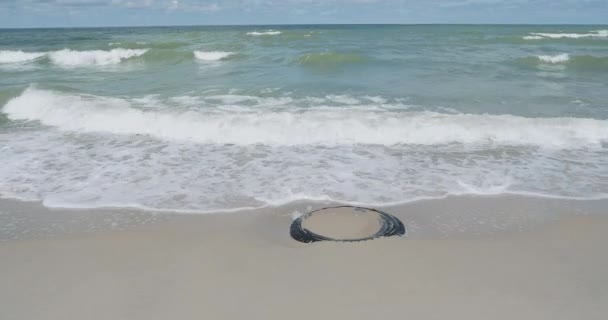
{"x": 327, "y": 59}
{"x": 567, "y": 61}
{"x": 166, "y": 45}
{"x": 295, "y": 126}
{"x": 10, "y": 56}
{"x": 64, "y": 169}
{"x": 264, "y": 33}
{"x": 591, "y": 34}
{"x": 212, "y": 55}
{"x": 73, "y": 58}
{"x": 139, "y": 43}
{"x": 560, "y": 58}
{"x": 533, "y": 38}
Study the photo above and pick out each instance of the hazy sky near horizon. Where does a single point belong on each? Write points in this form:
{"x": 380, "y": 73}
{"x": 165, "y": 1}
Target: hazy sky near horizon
{"x": 71, "y": 13}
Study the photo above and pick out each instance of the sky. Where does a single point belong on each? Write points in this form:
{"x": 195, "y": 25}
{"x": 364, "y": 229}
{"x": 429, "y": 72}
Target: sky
{"x": 91, "y": 13}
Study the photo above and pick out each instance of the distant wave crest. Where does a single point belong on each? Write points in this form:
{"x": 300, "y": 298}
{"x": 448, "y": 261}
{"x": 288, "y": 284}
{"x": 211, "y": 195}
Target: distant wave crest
{"x": 560, "y": 58}
{"x": 212, "y": 55}
{"x": 591, "y": 34}
{"x": 73, "y": 58}
{"x": 565, "y": 60}
{"x": 264, "y": 33}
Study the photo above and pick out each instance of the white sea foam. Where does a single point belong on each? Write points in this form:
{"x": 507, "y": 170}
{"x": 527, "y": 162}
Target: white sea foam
{"x": 487, "y": 187}
{"x": 560, "y": 58}
{"x": 533, "y": 38}
{"x": 378, "y": 100}
{"x": 212, "y": 55}
{"x": 225, "y": 152}
{"x": 10, "y": 56}
{"x": 73, "y": 58}
{"x": 591, "y": 34}
{"x": 264, "y": 124}
{"x": 264, "y": 33}
{"x": 344, "y": 99}
{"x": 90, "y": 170}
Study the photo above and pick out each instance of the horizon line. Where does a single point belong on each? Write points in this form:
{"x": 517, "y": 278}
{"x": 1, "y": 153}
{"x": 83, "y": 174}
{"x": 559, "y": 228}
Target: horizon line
{"x": 307, "y": 24}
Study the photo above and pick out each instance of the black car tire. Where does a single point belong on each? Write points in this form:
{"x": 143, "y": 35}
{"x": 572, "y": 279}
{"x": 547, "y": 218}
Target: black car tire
{"x": 389, "y": 226}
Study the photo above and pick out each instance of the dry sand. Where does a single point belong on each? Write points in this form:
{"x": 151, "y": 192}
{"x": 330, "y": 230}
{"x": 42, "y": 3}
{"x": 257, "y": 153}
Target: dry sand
{"x": 464, "y": 258}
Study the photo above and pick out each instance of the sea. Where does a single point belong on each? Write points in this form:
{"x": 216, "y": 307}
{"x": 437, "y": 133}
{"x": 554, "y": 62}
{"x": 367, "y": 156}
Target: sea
{"x": 222, "y": 118}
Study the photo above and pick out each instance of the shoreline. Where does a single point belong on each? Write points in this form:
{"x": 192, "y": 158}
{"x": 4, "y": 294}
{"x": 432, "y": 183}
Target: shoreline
{"x": 291, "y": 203}
{"x": 451, "y": 216}
{"x": 473, "y": 258}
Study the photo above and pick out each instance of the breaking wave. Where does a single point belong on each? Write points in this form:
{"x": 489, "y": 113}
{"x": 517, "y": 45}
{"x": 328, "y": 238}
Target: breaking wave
{"x": 560, "y": 58}
{"x": 300, "y": 126}
{"x": 264, "y": 33}
{"x": 8, "y": 56}
{"x": 564, "y": 60}
{"x": 533, "y": 38}
{"x": 73, "y": 58}
{"x": 212, "y": 55}
{"x": 591, "y": 34}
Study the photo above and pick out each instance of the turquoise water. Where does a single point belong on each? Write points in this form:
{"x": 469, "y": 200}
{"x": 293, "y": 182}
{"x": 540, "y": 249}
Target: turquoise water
{"x": 220, "y": 118}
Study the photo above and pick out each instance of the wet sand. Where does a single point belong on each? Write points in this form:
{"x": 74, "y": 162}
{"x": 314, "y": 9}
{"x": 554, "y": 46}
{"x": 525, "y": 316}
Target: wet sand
{"x": 344, "y": 223}
{"x": 505, "y": 257}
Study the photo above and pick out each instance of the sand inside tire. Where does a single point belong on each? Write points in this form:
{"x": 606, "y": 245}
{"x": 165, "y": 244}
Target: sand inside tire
{"x": 344, "y": 223}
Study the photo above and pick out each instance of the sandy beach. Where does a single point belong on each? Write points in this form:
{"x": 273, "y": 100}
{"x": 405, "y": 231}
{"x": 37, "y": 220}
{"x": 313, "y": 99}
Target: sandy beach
{"x": 198, "y": 159}
{"x": 495, "y": 257}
